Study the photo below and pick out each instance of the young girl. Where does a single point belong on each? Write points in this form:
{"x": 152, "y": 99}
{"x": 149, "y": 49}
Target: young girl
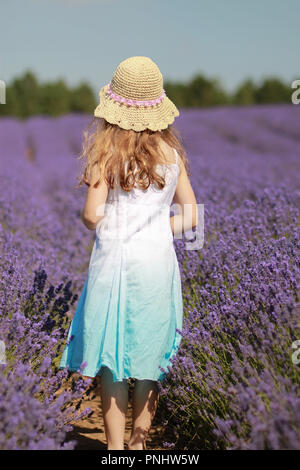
{"x": 131, "y": 304}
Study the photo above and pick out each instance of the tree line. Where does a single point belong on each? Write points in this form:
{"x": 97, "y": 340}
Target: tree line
{"x": 25, "y": 96}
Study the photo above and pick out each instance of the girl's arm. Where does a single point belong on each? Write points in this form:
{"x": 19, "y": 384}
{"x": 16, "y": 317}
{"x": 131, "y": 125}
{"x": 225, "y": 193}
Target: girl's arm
{"x": 185, "y": 198}
{"x": 93, "y": 210}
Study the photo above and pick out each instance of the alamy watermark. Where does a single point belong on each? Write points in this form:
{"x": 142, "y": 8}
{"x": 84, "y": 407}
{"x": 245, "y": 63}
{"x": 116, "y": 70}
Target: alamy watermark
{"x": 2, "y": 353}
{"x": 296, "y": 354}
{"x": 140, "y": 221}
{"x": 2, "y": 92}
{"x": 296, "y": 94}
{"x": 195, "y": 239}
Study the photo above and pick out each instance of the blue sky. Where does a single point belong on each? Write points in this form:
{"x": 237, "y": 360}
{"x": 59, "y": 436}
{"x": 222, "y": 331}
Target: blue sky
{"x": 86, "y": 39}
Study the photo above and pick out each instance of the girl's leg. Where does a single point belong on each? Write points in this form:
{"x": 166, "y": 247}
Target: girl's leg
{"x": 114, "y": 398}
{"x": 144, "y": 405}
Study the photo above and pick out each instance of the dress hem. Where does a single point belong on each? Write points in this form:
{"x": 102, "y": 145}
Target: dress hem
{"x": 115, "y": 379}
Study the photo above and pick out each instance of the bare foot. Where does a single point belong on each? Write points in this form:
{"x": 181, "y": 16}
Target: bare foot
{"x": 137, "y": 446}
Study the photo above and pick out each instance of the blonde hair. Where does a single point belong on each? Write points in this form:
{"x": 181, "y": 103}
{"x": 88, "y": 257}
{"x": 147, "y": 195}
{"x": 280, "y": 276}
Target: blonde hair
{"x": 125, "y": 156}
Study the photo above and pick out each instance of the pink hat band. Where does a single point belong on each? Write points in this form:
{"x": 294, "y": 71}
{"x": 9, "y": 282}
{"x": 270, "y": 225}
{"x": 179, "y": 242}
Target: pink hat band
{"x": 131, "y": 102}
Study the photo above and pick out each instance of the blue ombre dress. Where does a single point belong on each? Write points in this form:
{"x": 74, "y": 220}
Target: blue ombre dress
{"x": 131, "y": 303}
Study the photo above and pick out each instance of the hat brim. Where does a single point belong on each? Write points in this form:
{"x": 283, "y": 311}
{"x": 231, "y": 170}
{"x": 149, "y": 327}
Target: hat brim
{"x": 138, "y": 118}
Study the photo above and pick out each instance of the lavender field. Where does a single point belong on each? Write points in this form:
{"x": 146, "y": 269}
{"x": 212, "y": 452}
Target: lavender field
{"x": 233, "y": 384}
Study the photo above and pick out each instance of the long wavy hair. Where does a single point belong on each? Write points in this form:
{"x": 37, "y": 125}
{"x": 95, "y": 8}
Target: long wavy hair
{"x": 126, "y": 157}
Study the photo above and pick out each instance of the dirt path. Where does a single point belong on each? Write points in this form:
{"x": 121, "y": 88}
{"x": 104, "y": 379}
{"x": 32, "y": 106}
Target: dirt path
{"x": 89, "y": 432}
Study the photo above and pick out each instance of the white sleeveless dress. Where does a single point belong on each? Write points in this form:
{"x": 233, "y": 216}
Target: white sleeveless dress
{"x": 131, "y": 304}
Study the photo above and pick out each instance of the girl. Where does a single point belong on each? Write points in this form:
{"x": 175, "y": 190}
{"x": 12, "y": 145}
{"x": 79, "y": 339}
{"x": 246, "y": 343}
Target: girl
{"x": 127, "y": 317}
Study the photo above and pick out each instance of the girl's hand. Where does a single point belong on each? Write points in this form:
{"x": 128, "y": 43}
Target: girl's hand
{"x": 185, "y": 198}
{"x": 94, "y": 206}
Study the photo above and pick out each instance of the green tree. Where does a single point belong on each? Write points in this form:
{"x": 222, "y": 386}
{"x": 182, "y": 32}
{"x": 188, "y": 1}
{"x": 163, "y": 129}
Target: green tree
{"x": 273, "y": 90}
{"x": 245, "y": 94}
{"x": 82, "y": 99}
{"x": 202, "y": 92}
{"x": 55, "y": 98}
{"x": 26, "y": 97}
{"x": 11, "y": 107}
{"x": 176, "y": 91}
{"x": 23, "y": 95}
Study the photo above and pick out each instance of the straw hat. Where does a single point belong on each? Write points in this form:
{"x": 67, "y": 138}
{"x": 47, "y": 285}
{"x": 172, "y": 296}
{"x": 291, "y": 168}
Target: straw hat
{"x": 135, "y": 98}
